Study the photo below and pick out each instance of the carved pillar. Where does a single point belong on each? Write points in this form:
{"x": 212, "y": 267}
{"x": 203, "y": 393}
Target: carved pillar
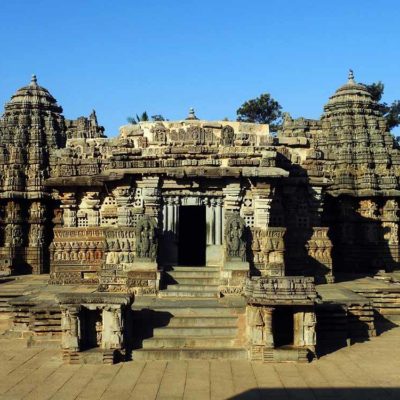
{"x": 232, "y": 197}
{"x": 112, "y": 333}
{"x": 317, "y": 204}
{"x": 151, "y": 195}
{"x": 168, "y": 245}
{"x": 390, "y": 227}
{"x": 122, "y": 196}
{"x": 218, "y": 222}
{"x": 272, "y": 249}
{"x": 71, "y": 331}
{"x": 68, "y": 205}
{"x": 304, "y": 329}
{"x": 259, "y": 330}
{"x": 319, "y": 248}
{"x": 262, "y": 206}
{"x": 210, "y": 220}
{"x": 268, "y": 336}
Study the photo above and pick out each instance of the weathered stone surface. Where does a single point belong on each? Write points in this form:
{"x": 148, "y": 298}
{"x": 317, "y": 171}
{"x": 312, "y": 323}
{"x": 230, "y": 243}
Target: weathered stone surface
{"x": 270, "y": 215}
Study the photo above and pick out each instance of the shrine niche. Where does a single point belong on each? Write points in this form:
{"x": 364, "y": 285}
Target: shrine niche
{"x": 93, "y": 322}
{"x": 146, "y": 244}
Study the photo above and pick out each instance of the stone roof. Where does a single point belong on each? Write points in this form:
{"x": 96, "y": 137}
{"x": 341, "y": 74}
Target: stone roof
{"x": 33, "y": 96}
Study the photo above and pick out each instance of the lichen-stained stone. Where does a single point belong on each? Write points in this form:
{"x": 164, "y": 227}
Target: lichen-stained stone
{"x": 199, "y": 210}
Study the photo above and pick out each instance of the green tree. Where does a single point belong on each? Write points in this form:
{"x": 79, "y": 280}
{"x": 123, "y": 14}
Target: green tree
{"x": 391, "y": 112}
{"x": 144, "y": 117}
{"x": 157, "y": 117}
{"x": 261, "y": 110}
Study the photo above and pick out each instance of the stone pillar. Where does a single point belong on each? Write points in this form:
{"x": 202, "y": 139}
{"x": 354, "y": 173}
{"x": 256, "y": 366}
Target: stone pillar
{"x": 168, "y": 245}
{"x": 151, "y": 195}
{"x": 319, "y": 248}
{"x": 218, "y": 222}
{"x": 214, "y": 218}
{"x": 70, "y": 327}
{"x": 68, "y": 205}
{"x": 304, "y": 329}
{"x": 232, "y": 195}
{"x": 112, "y": 334}
{"x": 122, "y": 196}
{"x": 170, "y": 215}
{"x": 259, "y": 330}
{"x": 268, "y": 335}
{"x": 210, "y": 220}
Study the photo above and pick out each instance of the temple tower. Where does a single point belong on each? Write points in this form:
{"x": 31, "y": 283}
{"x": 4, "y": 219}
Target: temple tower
{"x": 31, "y": 129}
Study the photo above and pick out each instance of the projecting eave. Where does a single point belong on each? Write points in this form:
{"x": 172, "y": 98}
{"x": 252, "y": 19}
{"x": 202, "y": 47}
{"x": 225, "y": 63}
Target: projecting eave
{"x": 179, "y": 173}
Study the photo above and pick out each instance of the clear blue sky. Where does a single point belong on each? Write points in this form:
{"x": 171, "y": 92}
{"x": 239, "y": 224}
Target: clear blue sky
{"x": 124, "y": 57}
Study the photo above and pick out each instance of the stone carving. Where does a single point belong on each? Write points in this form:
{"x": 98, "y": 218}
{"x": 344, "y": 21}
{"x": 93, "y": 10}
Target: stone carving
{"x": 260, "y": 326}
{"x": 234, "y": 237}
{"x": 281, "y": 290}
{"x": 146, "y": 244}
{"x": 227, "y": 136}
{"x": 283, "y": 204}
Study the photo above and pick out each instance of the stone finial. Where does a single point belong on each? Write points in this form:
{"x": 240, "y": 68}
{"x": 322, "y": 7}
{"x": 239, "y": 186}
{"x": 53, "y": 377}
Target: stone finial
{"x": 192, "y": 114}
{"x": 351, "y": 76}
{"x": 33, "y": 80}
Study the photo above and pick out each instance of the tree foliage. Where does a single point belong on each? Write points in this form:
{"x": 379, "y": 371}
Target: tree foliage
{"x": 391, "y": 112}
{"x": 262, "y": 110}
{"x": 144, "y": 117}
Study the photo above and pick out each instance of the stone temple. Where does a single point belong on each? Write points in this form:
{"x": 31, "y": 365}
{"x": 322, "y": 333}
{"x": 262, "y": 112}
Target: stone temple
{"x": 194, "y": 238}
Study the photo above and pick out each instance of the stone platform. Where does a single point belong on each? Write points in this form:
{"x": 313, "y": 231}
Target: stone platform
{"x": 173, "y": 328}
{"x": 363, "y": 371}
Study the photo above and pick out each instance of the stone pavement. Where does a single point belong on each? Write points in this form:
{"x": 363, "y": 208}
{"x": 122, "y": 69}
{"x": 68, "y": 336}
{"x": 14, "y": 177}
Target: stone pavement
{"x": 369, "y": 370}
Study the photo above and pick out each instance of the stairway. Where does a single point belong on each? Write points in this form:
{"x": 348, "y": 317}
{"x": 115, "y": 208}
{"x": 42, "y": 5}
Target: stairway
{"x": 192, "y": 282}
{"x": 188, "y": 321}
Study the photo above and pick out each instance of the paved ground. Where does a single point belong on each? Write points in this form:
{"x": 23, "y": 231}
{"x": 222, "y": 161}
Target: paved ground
{"x": 369, "y": 370}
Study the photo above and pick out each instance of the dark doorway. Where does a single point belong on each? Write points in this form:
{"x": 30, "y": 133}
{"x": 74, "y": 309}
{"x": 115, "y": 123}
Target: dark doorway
{"x": 283, "y": 326}
{"x": 91, "y": 328}
{"x": 192, "y": 235}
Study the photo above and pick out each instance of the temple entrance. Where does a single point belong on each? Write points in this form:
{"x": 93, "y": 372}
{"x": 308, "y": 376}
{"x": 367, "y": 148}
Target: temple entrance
{"x": 91, "y": 328}
{"x": 283, "y": 326}
{"x": 192, "y": 235}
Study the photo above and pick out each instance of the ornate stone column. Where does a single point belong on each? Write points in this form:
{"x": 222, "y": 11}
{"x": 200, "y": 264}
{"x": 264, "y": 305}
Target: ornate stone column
{"x": 68, "y": 205}
{"x": 122, "y": 196}
{"x": 151, "y": 195}
{"x": 232, "y": 195}
{"x": 210, "y": 220}
{"x": 168, "y": 245}
{"x": 70, "y": 327}
{"x": 218, "y": 222}
{"x": 304, "y": 329}
{"x": 112, "y": 333}
{"x": 259, "y": 330}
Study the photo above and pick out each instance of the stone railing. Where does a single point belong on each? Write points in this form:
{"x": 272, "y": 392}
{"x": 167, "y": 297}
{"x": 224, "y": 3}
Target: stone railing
{"x": 297, "y": 290}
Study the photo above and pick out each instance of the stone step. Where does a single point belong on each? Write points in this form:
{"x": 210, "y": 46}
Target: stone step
{"x": 194, "y": 274}
{"x": 194, "y": 281}
{"x": 195, "y": 268}
{"x": 189, "y": 342}
{"x": 200, "y": 312}
{"x": 44, "y": 342}
{"x": 199, "y": 294}
{"x": 192, "y": 307}
{"x": 195, "y": 287}
{"x": 200, "y": 321}
{"x": 231, "y": 353}
{"x": 194, "y": 331}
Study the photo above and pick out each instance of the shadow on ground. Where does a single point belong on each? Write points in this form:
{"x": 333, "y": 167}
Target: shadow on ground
{"x": 381, "y": 393}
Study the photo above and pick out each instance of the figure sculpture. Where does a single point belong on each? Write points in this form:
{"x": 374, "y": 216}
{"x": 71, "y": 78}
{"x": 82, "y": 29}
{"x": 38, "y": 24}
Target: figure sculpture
{"x": 146, "y": 246}
{"x": 234, "y": 237}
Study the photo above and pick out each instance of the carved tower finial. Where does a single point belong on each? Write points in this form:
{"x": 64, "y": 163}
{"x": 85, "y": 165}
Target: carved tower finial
{"x": 33, "y": 80}
{"x": 351, "y": 76}
{"x": 192, "y": 114}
